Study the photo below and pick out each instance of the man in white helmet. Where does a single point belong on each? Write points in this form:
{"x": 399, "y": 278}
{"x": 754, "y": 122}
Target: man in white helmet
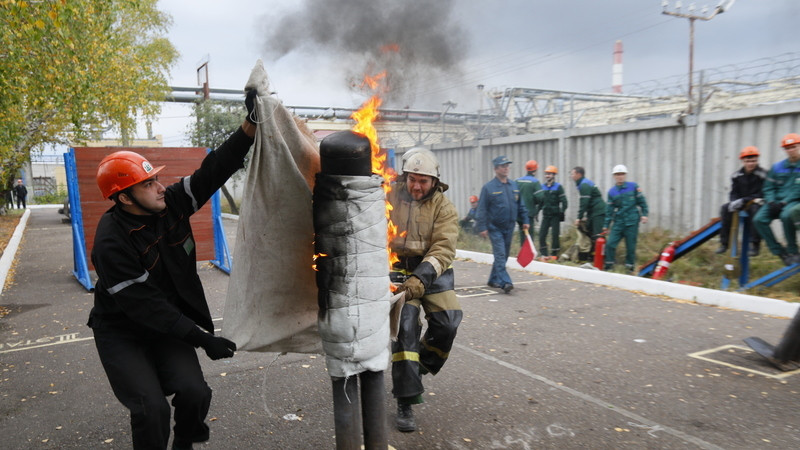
{"x": 627, "y": 207}
{"x": 427, "y": 230}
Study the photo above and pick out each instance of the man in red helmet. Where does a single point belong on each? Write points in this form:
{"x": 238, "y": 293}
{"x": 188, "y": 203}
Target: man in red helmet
{"x": 782, "y": 201}
{"x": 746, "y": 194}
{"x": 529, "y": 186}
{"x": 150, "y": 312}
{"x": 467, "y": 224}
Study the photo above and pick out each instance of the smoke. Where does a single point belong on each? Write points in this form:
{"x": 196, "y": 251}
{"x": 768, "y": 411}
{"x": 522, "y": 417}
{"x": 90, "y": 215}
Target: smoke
{"x": 417, "y": 42}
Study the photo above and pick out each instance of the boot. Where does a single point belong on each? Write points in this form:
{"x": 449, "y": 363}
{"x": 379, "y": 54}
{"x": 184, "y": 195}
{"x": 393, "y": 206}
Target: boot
{"x": 405, "y": 418}
{"x": 754, "y": 248}
{"x": 583, "y": 256}
{"x": 722, "y": 249}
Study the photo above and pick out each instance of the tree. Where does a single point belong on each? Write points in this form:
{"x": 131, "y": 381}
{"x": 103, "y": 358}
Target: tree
{"x": 215, "y": 122}
{"x": 69, "y": 69}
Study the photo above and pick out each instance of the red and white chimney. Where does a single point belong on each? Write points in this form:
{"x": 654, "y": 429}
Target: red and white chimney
{"x": 616, "y": 70}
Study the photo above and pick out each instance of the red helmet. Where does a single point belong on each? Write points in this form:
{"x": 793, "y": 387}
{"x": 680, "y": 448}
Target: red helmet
{"x": 749, "y": 151}
{"x": 121, "y": 170}
{"x": 531, "y": 165}
{"x": 473, "y": 198}
{"x": 790, "y": 139}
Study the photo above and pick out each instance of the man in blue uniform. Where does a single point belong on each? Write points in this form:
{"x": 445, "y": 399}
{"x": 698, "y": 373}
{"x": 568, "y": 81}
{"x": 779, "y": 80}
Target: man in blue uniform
{"x": 627, "y": 207}
{"x": 499, "y": 208}
{"x": 150, "y": 312}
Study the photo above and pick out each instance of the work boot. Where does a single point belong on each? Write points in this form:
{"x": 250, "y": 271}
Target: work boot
{"x": 629, "y": 268}
{"x": 508, "y": 287}
{"x": 790, "y": 259}
{"x": 583, "y": 256}
{"x": 753, "y": 249}
{"x": 608, "y": 266}
{"x": 405, "y": 418}
{"x": 722, "y": 249}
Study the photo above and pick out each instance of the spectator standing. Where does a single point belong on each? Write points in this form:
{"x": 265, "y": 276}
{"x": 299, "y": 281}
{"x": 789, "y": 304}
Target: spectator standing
{"x": 529, "y": 185}
{"x": 591, "y": 210}
{"x": 499, "y": 208}
{"x": 626, "y": 208}
{"x": 21, "y": 192}
{"x": 553, "y": 201}
{"x": 468, "y": 222}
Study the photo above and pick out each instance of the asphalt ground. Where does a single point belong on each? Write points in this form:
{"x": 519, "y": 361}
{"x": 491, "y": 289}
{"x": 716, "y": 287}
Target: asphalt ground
{"x": 555, "y": 364}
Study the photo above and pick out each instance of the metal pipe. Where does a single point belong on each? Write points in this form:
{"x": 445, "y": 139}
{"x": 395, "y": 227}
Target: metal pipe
{"x": 345, "y": 413}
{"x": 373, "y": 412}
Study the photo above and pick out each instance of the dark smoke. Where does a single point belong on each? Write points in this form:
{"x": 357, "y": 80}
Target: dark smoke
{"x": 417, "y": 42}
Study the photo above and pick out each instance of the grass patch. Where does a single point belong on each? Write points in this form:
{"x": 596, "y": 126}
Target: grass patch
{"x": 701, "y": 267}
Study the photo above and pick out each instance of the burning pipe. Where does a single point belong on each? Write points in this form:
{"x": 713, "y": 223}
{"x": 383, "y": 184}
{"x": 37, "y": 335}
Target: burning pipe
{"x": 353, "y": 283}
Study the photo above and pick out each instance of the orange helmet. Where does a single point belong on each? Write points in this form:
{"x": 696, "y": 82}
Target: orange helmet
{"x": 551, "y": 169}
{"x": 121, "y": 170}
{"x": 473, "y": 198}
{"x": 531, "y": 165}
{"x": 790, "y": 139}
{"x": 749, "y": 151}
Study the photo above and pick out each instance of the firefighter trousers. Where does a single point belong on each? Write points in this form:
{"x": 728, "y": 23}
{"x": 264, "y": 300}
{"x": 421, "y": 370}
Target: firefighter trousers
{"x": 410, "y": 355}
{"x": 143, "y": 372}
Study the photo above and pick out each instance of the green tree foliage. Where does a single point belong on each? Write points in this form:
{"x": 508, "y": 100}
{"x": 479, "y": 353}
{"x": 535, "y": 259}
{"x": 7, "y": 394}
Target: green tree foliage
{"x": 214, "y": 122}
{"x": 69, "y": 68}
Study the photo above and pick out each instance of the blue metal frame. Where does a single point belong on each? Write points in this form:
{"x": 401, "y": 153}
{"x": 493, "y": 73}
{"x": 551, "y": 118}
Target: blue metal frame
{"x": 80, "y": 263}
{"x": 685, "y": 247}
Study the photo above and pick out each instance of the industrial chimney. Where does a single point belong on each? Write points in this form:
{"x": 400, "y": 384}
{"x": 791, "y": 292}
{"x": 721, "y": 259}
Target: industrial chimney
{"x": 616, "y": 70}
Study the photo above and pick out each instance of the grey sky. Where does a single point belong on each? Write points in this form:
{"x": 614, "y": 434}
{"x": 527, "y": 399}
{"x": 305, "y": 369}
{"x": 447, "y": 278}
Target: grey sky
{"x": 309, "y": 53}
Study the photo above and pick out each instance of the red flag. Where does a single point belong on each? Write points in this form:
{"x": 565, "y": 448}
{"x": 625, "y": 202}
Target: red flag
{"x": 528, "y": 251}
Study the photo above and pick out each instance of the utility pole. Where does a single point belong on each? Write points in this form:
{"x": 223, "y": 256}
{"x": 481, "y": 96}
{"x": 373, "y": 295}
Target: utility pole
{"x": 723, "y": 6}
{"x": 447, "y": 105}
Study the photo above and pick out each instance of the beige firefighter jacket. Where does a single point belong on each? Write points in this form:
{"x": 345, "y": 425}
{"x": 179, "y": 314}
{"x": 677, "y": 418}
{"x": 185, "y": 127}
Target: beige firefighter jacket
{"x": 427, "y": 231}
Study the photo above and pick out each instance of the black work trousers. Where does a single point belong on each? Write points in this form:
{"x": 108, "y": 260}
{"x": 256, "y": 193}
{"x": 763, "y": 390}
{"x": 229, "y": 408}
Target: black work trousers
{"x": 727, "y": 218}
{"x": 143, "y": 372}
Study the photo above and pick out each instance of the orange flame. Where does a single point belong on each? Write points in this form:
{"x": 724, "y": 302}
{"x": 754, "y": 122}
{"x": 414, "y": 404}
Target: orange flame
{"x": 365, "y": 118}
{"x": 315, "y": 257}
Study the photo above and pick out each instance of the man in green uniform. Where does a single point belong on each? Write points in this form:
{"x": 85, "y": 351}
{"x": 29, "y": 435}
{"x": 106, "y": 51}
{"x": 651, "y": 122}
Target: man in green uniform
{"x": 591, "y": 209}
{"x": 553, "y": 203}
{"x": 627, "y": 207}
{"x": 782, "y": 201}
{"x": 529, "y": 185}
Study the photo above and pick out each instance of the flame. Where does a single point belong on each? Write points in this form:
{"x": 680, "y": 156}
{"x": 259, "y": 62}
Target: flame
{"x": 315, "y": 257}
{"x": 365, "y": 118}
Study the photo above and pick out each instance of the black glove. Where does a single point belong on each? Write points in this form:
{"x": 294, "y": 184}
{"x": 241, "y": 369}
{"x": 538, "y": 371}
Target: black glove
{"x": 561, "y": 217}
{"x": 215, "y": 347}
{"x": 250, "y": 104}
{"x": 775, "y": 208}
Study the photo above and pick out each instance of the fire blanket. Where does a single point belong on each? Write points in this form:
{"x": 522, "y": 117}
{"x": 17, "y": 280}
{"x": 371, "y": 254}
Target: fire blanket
{"x": 353, "y": 273}
{"x": 271, "y": 304}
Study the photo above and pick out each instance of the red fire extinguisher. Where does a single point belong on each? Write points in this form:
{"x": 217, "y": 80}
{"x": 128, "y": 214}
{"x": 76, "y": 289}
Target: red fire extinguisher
{"x": 667, "y": 255}
{"x": 600, "y": 252}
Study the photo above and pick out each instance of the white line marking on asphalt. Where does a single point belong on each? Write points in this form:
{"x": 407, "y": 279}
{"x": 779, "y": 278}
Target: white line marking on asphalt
{"x": 603, "y": 404}
{"x": 701, "y": 355}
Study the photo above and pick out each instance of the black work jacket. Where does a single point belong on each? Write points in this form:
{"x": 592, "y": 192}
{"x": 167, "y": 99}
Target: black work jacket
{"x": 747, "y": 186}
{"x": 147, "y": 265}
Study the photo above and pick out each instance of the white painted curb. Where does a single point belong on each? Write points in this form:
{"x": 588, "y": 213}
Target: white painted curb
{"x": 704, "y": 296}
{"x": 11, "y": 249}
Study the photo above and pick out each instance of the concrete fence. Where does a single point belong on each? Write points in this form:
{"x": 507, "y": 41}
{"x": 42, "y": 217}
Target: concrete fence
{"x": 683, "y": 168}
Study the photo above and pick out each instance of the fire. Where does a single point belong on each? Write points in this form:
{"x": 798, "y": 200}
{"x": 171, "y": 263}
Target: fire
{"x": 365, "y": 117}
{"x": 315, "y": 257}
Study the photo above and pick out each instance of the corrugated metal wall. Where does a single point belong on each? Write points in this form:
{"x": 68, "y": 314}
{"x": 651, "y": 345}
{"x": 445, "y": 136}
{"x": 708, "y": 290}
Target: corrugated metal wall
{"x": 684, "y": 171}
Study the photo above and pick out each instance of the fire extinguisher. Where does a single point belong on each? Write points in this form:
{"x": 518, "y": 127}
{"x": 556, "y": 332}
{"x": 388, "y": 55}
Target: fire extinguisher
{"x": 667, "y": 255}
{"x": 600, "y": 252}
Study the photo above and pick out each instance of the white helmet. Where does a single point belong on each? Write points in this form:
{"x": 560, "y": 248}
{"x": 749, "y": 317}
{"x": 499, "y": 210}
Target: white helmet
{"x": 422, "y": 162}
{"x": 619, "y": 168}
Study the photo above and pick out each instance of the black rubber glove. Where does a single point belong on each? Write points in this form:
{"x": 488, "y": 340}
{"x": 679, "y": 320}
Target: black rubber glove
{"x": 561, "y": 217}
{"x": 250, "y": 104}
{"x": 775, "y": 208}
{"x": 215, "y": 347}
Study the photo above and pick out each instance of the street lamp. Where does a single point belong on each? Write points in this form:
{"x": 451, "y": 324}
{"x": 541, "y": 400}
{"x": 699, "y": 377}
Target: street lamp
{"x": 446, "y": 105}
{"x": 723, "y": 6}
